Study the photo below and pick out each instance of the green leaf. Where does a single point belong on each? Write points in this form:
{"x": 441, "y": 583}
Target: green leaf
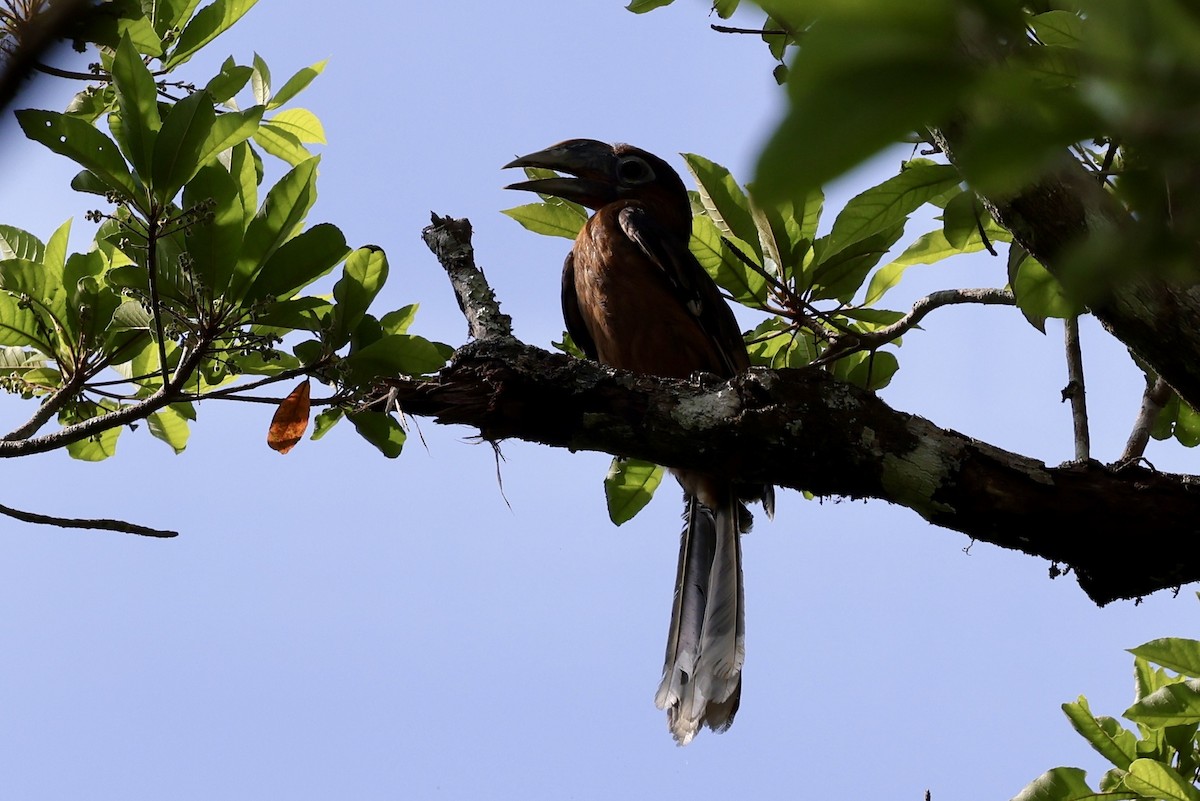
{"x": 961, "y": 218}
{"x": 300, "y": 123}
{"x": 869, "y": 370}
{"x": 86, "y": 181}
{"x": 1164, "y": 423}
{"x": 725, "y": 202}
{"x": 325, "y": 421}
{"x": 83, "y": 144}
{"x": 138, "y": 122}
{"x": 180, "y": 145}
{"x": 231, "y": 80}
{"x": 298, "y": 262}
{"x": 365, "y": 272}
{"x": 18, "y": 244}
{"x": 1058, "y": 28}
{"x": 395, "y": 354}
{"x": 642, "y": 6}
{"x": 19, "y": 325}
{"x": 926, "y": 249}
{"x": 215, "y": 240}
{"x": 260, "y": 81}
{"x": 208, "y": 24}
{"x": 97, "y": 447}
{"x": 270, "y": 363}
{"x": 549, "y": 219}
{"x": 901, "y": 63}
{"x": 742, "y": 282}
{"x": 139, "y": 31}
{"x": 281, "y": 143}
{"x": 281, "y": 215}
{"x": 1178, "y": 654}
{"x": 1153, "y": 779}
{"x": 246, "y": 170}
{"x": 629, "y": 486}
{"x": 1172, "y": 705}
{"x": 841, "y": 275}
{"x": 776, "y": 343}
{"x": 41, "y": 286}
{"x": 1039, "y": 294}
{"x": 381, "y": 430}
{"x": 1187, "y": 426}
{"x": 1116, "y": 744}
{"x": 228, "y": 130}
{"x": 398, "y": 321}
{"x": 89, "y": 302}
{"x": 1059, "y": 784}
{"x": 166, "y": 14}
{"x": 883, "y": 206}
{"x": 304, "y": 314}
{"x": 296, "y": 84}
{"x": 171, "y": 426}
{"x": 1147, "y": 679}
{"x": 725, "y": 8}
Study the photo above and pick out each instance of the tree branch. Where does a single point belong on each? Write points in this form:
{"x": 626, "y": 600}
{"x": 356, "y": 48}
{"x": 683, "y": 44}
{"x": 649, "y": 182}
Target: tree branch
{"x": 1076, "y": 390}
{"x": 806, "y": 430}
{"x": 934, "y": 300}
{"x": 450, "y": 241}
{"x": 48, "y": 408}
{"x": 102, "y": 524}
{"x": 168, "y": 394}
{"x": 1153, "y": 399}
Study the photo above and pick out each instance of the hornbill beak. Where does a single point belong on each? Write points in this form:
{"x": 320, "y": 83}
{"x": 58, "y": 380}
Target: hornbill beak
{"x": 592, "y": 163}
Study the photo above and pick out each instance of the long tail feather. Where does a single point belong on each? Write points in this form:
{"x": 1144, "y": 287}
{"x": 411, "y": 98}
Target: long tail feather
{"x": 701, "y": 682}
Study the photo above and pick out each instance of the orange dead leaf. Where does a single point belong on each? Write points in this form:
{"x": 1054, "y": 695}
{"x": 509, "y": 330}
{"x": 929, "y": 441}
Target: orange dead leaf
{"x": 290, "y": 420}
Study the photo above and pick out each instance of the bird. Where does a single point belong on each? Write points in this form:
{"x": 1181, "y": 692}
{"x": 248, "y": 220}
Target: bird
{"x": 636, "y": 299}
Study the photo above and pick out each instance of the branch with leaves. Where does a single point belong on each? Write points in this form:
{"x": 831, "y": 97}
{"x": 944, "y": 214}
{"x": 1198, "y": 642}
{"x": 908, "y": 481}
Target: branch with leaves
{"x": 192, "y": 283}
{"x": 806, "y": 429}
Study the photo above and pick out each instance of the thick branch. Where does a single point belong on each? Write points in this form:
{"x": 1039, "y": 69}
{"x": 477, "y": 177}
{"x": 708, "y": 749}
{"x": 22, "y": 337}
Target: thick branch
{"x": 806, "y": 430}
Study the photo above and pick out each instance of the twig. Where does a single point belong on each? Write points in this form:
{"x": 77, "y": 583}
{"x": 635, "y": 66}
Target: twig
{"x": 1153, "y": 399}
{"x": 284, "y": 375}
{"x": 450, "y": 241}
{"x": 754, "y": 31}
{"x": 155, "y": 299}
{"x": 166, "y": 395}
{"x": 103, "y": 524}
{"x": 934, "y": 300}
{"x": 1075, "y": 391}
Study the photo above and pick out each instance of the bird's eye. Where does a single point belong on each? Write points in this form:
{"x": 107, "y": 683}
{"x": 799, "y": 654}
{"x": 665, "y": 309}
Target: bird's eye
{"x": 633, "y": 170}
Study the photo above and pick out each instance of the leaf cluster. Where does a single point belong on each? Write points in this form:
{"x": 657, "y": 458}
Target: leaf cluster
{"x": 198, "y": 280}
{"x": 1159, "y": 758}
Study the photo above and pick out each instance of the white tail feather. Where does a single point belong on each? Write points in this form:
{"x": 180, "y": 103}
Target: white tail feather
{"x": 701, "y": 683}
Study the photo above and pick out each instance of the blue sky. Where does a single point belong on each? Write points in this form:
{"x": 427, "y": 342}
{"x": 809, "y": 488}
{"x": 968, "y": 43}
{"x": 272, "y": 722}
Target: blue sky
{"x": 334, "y": 624}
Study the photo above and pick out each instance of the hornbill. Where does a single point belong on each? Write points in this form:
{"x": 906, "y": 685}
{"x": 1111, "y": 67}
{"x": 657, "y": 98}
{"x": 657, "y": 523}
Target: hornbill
{"x": 635, "y": 298}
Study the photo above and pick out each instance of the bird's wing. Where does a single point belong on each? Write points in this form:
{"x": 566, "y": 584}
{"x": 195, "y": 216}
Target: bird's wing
{"x": 572, "y": 316}
{"x": 694, "y": 288}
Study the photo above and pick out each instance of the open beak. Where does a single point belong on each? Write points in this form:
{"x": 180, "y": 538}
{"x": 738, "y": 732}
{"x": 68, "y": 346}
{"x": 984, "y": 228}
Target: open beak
{"x": 591, "y": 163}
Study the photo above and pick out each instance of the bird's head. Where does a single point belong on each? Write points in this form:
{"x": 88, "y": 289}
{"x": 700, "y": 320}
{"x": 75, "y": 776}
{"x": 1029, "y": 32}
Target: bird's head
{"x": 598, "y": 173}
